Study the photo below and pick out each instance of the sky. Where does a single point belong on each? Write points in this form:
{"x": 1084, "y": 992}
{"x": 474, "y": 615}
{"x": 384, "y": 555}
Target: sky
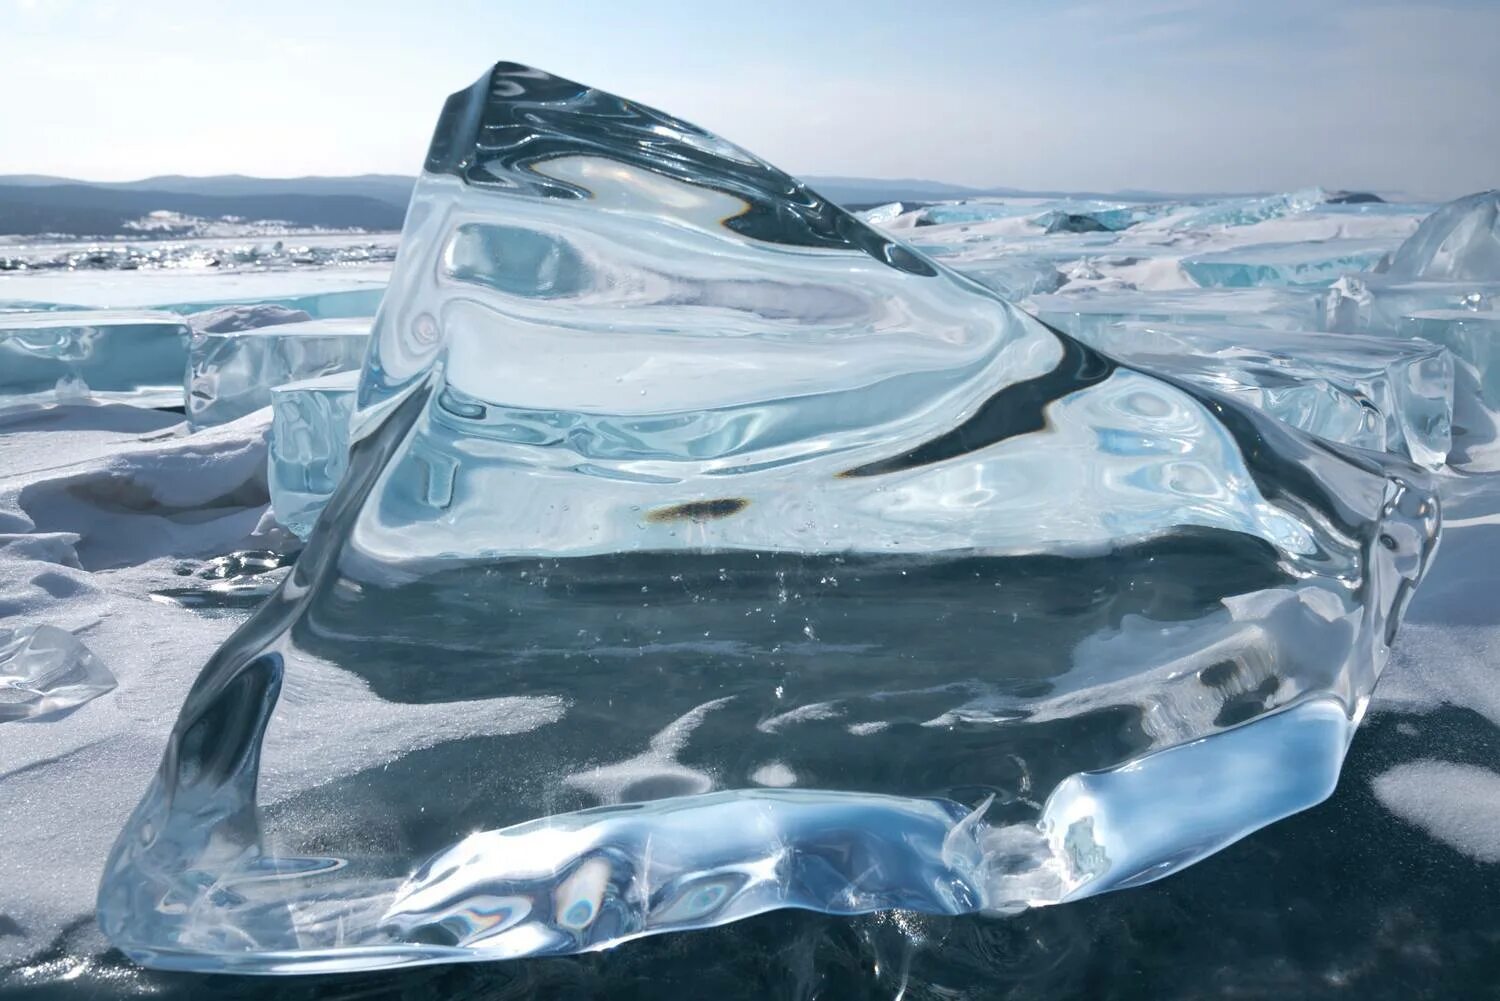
{"x": 1396, "y": 96}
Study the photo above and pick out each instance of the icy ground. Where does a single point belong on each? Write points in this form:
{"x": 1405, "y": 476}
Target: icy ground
{"x": 111, "y": 518}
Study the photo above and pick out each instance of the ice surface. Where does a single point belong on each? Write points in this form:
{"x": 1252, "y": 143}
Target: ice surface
{"x": 45, "y": 671}
{"x": 955, "y": 212}
{"x": 233, "y": 372}
{"x": 1307, "y": 263}
{"x": 1459, "y": 242}
{"x": 1375, "y": 303}
{"x": 882, "y": 215}
{"x": 324, "y": 293}
{"x": 914, "y": 602}
{"x": 1248, "y": 211}
{"x": 1084, "y": 314}
{"x": 110, "y": 355}
{"x": 309, "y": 447}
{"x": 1474, "y": 340}
{"x": 1014, "y": 277}
{"x": 227, "y": 319}
{"x": 1370, "y": 392}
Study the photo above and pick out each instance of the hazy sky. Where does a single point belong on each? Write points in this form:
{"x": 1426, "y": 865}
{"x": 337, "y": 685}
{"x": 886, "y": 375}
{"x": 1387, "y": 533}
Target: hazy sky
{"x": 1099, "y": 94}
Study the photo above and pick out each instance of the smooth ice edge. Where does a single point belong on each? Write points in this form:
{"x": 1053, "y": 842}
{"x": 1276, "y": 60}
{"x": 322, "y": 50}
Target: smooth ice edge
{"x": 597, "y": 878}
{"x": 1458, "y": 242}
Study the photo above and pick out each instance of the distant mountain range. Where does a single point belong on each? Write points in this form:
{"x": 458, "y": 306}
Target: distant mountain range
{"x": 34, "y": 204}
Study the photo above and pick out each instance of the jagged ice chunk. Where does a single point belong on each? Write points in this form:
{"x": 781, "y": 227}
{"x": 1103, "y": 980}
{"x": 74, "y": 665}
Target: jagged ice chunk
{"x": 232, "y": 373}
{"x": 309, "y": 446}
{"x": 725, "y": 554}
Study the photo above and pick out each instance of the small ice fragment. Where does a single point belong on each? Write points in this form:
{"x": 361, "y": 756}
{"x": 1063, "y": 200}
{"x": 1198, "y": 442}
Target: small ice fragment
{"x": 46, "y": 670}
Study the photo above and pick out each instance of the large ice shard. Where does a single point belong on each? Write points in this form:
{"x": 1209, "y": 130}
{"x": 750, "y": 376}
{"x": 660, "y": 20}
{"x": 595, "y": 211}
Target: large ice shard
{"x": 1386, "y": 394}
{"x": 309, "y": 446}
{"x": 232, "y": 372}
{"x": 1458, "y": 242}
{"x": 703, "y": 551}
{"x": 45, "y": 671}
{"x": 113, "y": 355}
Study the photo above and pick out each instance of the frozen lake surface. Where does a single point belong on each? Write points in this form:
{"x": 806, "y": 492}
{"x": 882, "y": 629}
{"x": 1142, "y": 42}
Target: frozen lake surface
{"x": 117, "y": 526}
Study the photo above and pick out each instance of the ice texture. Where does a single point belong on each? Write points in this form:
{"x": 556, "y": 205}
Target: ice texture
{"x": 882, "y": 215}
{"x": 1369, "y": 303}
{"x": 1014, "y": 278}
{"x": 1306, "y": 263}
{"x": 45, "y": 671}
{"x": 323, "y": 293}
{"x": 1473, "y": 338}
{"x": 112, "y": 355}
{"x": 309, "y": 446}
{"x": 247, "y": 316}
{"x": 1249, "y": 211}
{"x": 945, "y": 213}
{"x": 1084, "y": 313}
{"x": 1371, "y": 392}
{"x": 1458, "y": 242}
{"x": 916, "y": 602}
{"x": 232, "y": 373}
